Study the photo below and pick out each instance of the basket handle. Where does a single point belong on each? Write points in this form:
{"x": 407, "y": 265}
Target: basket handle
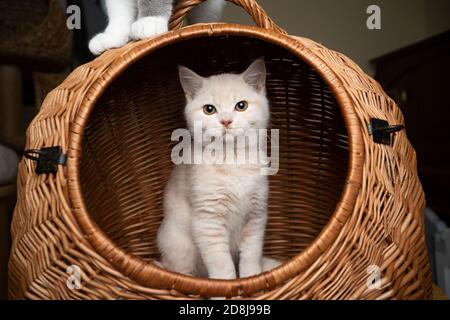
{"x": 258, "y": 14}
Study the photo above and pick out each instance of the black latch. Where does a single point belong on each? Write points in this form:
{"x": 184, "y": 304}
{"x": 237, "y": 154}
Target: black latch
{"x": 47, "y": 159}
{"x": 381, "y": 131}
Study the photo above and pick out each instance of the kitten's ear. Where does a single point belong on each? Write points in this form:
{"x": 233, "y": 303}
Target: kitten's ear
{"x": 190, "y": 81}
{"x": 256, "y": 75}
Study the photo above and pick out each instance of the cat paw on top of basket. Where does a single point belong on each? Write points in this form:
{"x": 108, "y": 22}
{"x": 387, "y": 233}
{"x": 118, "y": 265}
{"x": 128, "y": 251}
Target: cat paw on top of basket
{"x": 141, "y": 19}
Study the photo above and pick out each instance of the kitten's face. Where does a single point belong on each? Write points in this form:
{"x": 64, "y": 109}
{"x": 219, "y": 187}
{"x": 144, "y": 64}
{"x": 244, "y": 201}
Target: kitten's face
{"x": 227, "y": 103}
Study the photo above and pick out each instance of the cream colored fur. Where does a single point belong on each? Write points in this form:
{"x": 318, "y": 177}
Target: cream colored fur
{"x": 215, "y": 215}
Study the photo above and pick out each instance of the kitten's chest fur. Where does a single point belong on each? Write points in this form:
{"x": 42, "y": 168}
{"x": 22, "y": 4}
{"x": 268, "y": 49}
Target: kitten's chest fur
{"x": 233, "y": 190}
{"x": 229, "y": 194}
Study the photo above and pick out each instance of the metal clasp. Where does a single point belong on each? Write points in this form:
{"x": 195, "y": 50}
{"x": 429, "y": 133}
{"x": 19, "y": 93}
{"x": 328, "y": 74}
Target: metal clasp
{"x": 381, "y": 131}
{"x": 47, "y": 159}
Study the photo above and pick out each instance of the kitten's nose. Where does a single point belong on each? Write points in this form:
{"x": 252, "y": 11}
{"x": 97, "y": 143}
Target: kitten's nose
{"x": 226, "y": 123}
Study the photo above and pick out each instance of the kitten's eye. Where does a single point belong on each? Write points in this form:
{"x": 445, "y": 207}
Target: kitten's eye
{"x": 209, "y": 109}
{"x": 241, "y": 106}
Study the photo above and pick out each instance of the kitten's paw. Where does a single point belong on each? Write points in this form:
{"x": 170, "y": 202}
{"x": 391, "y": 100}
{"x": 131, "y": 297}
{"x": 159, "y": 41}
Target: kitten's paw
{"x": 250, "y": 271}
{"x": 159, "y": 264}
{"x": 223, "y": 275}
{"x": 149, "y": 27}
{"x": 217, "y": 298}
{"x": 108, "y": 40}
{"x": 269, "y": 263}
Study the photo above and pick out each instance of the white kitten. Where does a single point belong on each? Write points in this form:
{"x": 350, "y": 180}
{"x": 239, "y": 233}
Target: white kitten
{"x": 215, "y": 215}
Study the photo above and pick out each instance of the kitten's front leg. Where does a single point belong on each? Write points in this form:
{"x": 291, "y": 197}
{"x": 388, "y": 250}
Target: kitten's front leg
{"x": 251, "y": 246}
{"x": 211, "y": 238}
{"x": 153, "y": 18}
{"x": 121, "y": 15}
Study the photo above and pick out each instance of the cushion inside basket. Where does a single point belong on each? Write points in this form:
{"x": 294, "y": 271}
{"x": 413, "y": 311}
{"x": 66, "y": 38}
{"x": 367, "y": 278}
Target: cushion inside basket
{"x": 127, "y": 144}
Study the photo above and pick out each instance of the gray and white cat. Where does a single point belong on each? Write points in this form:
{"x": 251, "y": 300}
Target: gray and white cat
{"x": 215, "y": 214}
{"x": 141, "y": 19}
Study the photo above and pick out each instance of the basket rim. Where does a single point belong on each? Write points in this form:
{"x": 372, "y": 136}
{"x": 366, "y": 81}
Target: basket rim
{"x": 114, "y": 63}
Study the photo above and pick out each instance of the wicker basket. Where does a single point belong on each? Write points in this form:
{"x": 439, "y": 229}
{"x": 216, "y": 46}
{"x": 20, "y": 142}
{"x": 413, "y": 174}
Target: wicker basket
{"x": 341, "y": 206}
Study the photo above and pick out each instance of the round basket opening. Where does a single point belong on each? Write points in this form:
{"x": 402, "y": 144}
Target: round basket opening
{"x": 126, "y": 159}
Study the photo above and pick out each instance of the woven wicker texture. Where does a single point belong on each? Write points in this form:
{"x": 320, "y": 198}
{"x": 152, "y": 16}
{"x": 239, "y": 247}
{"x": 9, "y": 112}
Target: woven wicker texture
{"x": 339, "y": 204}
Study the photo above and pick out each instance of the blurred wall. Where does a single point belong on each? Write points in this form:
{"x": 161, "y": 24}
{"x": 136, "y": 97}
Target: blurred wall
{"x": 437, "y": 17}
{"x": 341, "y": 24}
